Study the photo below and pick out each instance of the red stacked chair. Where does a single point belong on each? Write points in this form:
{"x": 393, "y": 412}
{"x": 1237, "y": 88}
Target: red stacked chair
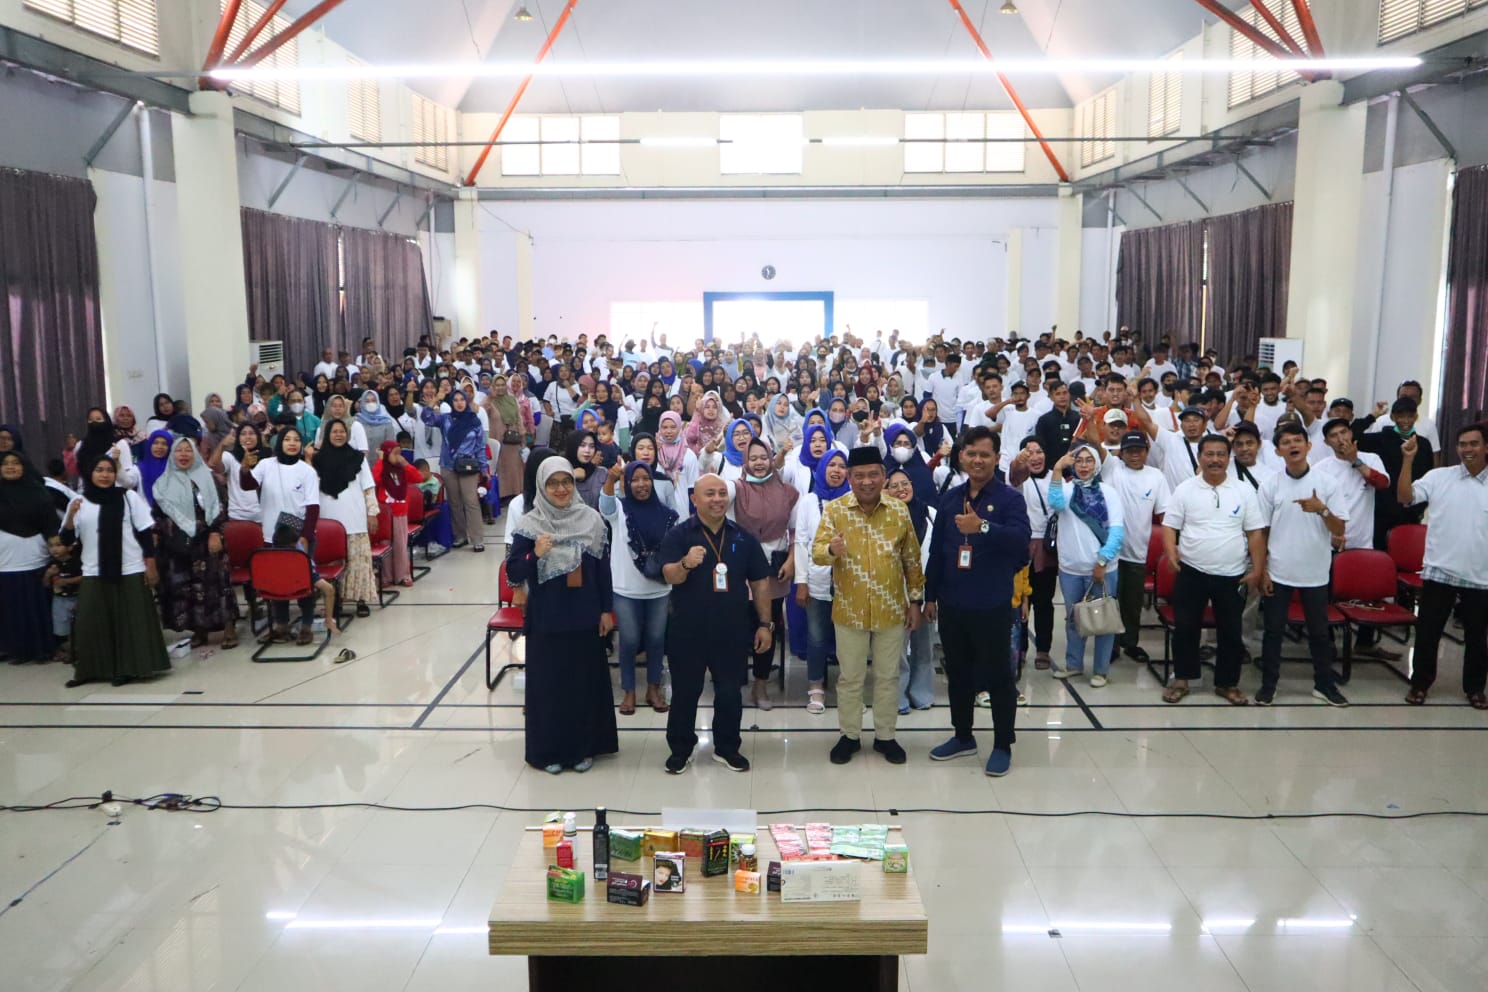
{"x": 1364, "y": 586}
{"x": 283, "y": 575}
{"x": 382, "y": 546}
{"x": 243, "y": 538}
{"x": 509, "y": 619}
{"x": 330, "y": 559}
{"x": 1167, "y": 577}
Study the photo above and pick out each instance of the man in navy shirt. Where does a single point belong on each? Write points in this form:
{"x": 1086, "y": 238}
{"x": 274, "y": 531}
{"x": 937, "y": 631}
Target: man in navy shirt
{"x": 979, "y": 543}
{"x": 712, "y": 564}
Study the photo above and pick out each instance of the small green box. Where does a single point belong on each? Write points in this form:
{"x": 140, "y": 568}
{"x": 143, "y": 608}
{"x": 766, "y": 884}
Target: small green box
{"x": 625, "y": 845}
{"x": 716, "y": 853}
{"x": 565, "y": 884}
{"x": 737, "y": 841}
{"x": 896, "y": 859}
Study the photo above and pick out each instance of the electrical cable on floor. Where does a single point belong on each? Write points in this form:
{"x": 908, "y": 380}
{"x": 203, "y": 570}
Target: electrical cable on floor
{"x": 175, "y": 802}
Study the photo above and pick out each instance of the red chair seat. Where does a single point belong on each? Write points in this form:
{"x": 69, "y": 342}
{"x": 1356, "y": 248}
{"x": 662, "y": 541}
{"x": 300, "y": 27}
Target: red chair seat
{"x": 1377, "y": 614}
{"x": 1149, "y": 583}
{"x": 380, "y": 550}
{"x": 1296, "y": 615}
{"x": 241, "y": 576}
{"x": 330, "y": 572}
{"x": 1410, "y": 580}
{"x": 507, "y": 618}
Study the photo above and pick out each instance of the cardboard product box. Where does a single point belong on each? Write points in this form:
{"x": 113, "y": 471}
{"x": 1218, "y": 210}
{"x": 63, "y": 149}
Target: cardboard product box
{"x": 625, "y": 845}
{"x": 565, "y": 884}
{"x": 820, "y": 881}
{"x": 716, "y": 853}
{"x": 628, "y": 890}
{"x": 656, "y": 840}
{"x": 693, "y": 843}
{"x": 564, "y": 853}
{"x": 772, "y": 879}
{"x": 896, "y": 859}
{"x": 552, "y": 834}
{"x": 747, "y": 881}
{"x": 737, "y": 841}
{"x": 669, "y": 871}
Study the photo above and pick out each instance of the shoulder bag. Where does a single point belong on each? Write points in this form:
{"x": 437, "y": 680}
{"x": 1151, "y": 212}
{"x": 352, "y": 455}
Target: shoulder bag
{"x": 1098, "y": 614}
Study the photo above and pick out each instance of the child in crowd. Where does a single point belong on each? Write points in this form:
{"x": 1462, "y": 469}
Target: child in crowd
{"x": 1022, "y": 590}
{"x": 609, "y": 451}
{"x": 287, "y": 536}
{"x": 63, "y": 577}
{"x": 432, "y": 486}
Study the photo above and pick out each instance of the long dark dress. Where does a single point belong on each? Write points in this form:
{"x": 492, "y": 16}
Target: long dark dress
{"x": 570, "y": 702}
{"x": 196, "y": 590}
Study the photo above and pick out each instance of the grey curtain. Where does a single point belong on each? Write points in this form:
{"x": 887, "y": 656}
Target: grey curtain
{"x": 1159, "y": 281}
{"x": 291, "y": 270}
{"x": 1464, "y": 398}
{"x": 51, "y": 341}
{"x": 1250, "y": 257}
{"x": 386, "y": 297}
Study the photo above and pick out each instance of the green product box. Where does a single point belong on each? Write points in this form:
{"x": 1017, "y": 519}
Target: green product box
{"x": 565, "y": 884}
{"x": 737, "y": 841}
{"x": 625, "y": 845}
{"x": 716, "y": 853}
{"x": 896, "y": 859}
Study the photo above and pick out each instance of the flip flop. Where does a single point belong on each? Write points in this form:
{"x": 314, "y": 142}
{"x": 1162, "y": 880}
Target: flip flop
{"x": 1175, "y": 694}
{"x": 345, "y": 654}
{"x": 1478, "y": 701}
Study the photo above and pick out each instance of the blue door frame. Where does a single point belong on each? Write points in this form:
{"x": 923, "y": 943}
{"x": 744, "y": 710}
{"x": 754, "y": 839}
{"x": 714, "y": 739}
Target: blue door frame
{"x": 826, "y": 300}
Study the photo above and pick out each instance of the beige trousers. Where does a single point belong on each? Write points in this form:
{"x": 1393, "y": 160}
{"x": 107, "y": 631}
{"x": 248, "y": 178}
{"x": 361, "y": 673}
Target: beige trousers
{"x": 853, "y": 649}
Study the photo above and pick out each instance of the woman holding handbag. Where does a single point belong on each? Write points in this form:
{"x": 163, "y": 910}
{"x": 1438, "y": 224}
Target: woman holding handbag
{"x": 1043, "y": 546}
{"x": 462, "y": 461}
{"x": 1090, "y": 533}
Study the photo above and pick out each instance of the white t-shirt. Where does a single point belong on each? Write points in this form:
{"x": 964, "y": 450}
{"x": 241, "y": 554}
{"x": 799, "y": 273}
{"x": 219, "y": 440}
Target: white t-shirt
{"x": 22, "y": 554}
{"x": 1078, "y": 547}
{"x": 242, "y": 504}
{"x": 1266, "y": 417}
{"x": 1156, "y": 370}
{"x": 1357, "y": 497}
{"x": 327, "y": 369}
{"x": 1017, "y": 424}
{"x": 1036, "y": 498}
{"x": 1212, "y": 522}
{"x": 563, "y": 402}
{"x": 1176, "y": 456}
{"x": 1299, "y": 550}
{"x": 818, "y": 577}
{"x": 945, "y": 391}
{"x": 627, "y": 579}
{"x": 1457, "y": 532}
{"x": 1143, "y": 494}
{"x": 137, "y": 516}
{"x": 284, "y": 489}
{"x": 1260, "y": 471}
{"x": 349, "y": 507}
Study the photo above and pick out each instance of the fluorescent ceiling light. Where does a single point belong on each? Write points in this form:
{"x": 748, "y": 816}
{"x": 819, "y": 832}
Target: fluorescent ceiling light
{"x": 678, "y": 142}
{"x": 866, "y": 141}
{"x": 768, "y": 68}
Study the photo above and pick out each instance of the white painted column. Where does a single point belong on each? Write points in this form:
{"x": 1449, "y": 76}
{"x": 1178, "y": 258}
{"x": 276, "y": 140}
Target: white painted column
{"x": 467, "y": 265}
{"x": 1015, "y": 284}
{"x": 1325, "y": 237}
{"x": 210, "y": 226}
{"x": 1071, "y": 217}
{"x": 523, "y": 280}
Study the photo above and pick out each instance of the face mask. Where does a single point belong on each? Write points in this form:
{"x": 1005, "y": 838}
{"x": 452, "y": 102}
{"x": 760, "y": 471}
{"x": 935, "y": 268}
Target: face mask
{"x": 837, "y": 418}
{"x": 759, "y": 478}
{"x": 370, "y": 407}
{"x": 902, "y": 455}
{"x": 1404, "y": 432}
{"x": 297, "y": 408}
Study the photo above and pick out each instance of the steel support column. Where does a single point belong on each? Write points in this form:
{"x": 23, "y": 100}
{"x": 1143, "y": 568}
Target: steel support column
{"x": 1253, "y": 180}
{"x": 1007, "y": 87}
{"x": 1143, "y": 201}
{"x": 1431, "y": 125}
{"x": 1192, "y": 195}
{"x": 390, "y": 207}
{"x": 511, "y": 107}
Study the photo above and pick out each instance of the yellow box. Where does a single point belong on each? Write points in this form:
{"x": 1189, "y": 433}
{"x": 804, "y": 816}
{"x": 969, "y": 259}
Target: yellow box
{"x": 659, "y": 840}
{"x": 552, "y": 834}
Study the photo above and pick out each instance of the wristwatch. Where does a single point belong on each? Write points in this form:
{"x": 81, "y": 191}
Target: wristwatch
{"x": 986, "y": 526}
{"x": 767, "y": 624}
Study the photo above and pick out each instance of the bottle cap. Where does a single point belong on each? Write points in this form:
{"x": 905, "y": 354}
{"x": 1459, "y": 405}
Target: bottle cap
{"x": 599, "y": 816}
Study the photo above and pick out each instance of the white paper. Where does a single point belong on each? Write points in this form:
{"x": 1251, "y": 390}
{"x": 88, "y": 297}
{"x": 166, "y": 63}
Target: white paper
{"x": 820, "y": 881}
{"x": 735, "y": 821}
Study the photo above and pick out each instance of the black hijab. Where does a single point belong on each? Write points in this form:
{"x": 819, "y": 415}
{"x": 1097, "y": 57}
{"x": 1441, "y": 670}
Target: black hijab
{"x": 97, "y": 440}
{"x": 111, "y": 509}
{"x": 287, "y": 459}
{"x": 535, "y": 458}
{"x": 26, "y": 507}
{"x": 338, "y": 465}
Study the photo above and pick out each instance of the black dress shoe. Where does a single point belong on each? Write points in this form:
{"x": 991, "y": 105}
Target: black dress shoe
{"x": 1138, "y": 655}
{"x": 844, "y": 749}
{"x": 891, "y": 750}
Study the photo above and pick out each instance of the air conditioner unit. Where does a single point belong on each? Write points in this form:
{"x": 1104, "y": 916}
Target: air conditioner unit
{"x": 268, "y": 356}
{"x": 1276, "y": 352}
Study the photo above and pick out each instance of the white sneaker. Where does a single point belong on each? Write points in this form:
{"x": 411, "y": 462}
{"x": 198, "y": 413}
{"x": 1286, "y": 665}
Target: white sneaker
{"x": 1097, "y": 681}
{"x": 1022, "y": 697}
{"x": 984, "y": 699}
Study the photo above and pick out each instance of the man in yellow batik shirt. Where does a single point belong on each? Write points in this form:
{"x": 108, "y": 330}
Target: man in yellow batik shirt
{"x": 878, "y": 589}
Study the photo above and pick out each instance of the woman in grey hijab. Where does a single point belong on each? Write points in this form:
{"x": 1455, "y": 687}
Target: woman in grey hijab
{"x": 196, "y": 592}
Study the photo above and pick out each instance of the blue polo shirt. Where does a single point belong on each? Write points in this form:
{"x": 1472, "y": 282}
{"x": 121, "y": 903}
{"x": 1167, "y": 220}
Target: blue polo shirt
{"x": 996, "y": 556}
{"x": 701, "y": 618}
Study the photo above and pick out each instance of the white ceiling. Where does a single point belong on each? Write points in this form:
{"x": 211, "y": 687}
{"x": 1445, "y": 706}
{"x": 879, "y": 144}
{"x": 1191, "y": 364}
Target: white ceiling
{"x": 390, "y": 31}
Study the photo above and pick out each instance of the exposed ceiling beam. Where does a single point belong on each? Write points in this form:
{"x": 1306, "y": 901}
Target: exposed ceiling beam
{"x": 1309, "y": 28}
{"x": 1263, "y": 41}
{"x": 255, "y": 31}
{"x": 311, "y": 17}
{"x": 962, "y": 191}
{"x": 1280, "y": 29}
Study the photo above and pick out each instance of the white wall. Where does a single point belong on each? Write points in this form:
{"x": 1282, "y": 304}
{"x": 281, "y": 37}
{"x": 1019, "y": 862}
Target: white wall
{"x": 1098, "y": 279}
{"x": 588, "y": 254}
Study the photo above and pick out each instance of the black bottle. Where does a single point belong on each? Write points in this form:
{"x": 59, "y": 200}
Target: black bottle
{"x": 601, "y": 846}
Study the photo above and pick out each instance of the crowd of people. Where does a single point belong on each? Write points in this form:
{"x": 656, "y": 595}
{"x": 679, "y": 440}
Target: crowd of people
{"x": 707, "y": 506}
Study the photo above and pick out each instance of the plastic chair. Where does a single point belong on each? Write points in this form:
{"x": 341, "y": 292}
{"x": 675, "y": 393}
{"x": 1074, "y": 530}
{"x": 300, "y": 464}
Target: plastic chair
{"x": 415, "y": 500}
{"x": 1364, "y": 586}
{"x": 283, "y": 575}
{"x": 330, "y": 554}
{"x": 1407, "y": 545}
{"x": 382, "y": 546}
{"x": 508, "y": 619}
{"x": 1167, "y": 616}
{"x": 243, "y": 538}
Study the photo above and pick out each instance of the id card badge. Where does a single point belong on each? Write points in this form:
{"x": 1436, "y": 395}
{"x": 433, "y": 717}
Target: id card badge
{"x": 720, "y": 578}
{"x": 963, "y": 557}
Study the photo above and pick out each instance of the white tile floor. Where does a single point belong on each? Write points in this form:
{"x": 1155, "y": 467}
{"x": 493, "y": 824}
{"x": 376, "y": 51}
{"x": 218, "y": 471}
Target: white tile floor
{"x": 371, "y": 900}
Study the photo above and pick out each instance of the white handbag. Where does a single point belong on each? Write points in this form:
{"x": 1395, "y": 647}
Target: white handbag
{"x": 1098, "y": 614}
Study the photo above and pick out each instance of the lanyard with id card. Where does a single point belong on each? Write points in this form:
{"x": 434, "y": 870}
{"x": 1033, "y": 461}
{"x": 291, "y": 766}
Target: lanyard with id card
{"x": 720, "y": 570}
{"x": 963, "y": 553}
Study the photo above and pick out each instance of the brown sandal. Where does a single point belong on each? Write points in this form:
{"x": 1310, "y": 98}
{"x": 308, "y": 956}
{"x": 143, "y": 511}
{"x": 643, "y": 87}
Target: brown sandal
{"x": 199, "y": 639}
{"x": 1175, "y": 694}
{"x": 306, "y": 636}
{"x": 1416, "y": 697}
{"x": 230, "y": 637}
{"x": 1478, "y": 701}
{"x": 657, "y": 699}
{"x": 627, "y": 705}
{"x": 1232, "y": 695}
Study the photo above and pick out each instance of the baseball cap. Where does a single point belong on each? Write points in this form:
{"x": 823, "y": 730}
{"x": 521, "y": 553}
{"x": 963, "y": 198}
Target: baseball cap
{"x": 1133, "y": 439}
{"x": 1193, "y": 411}
{"x": 1115, "y": 415}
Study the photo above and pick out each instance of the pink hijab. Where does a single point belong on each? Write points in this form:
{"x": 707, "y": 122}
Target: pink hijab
{"x": 703, "y": 430}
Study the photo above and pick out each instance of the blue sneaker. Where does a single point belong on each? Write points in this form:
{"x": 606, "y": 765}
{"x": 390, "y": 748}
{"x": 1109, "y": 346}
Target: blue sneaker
{"x": 999, "y": 762}
{"x": 956, "y": 747}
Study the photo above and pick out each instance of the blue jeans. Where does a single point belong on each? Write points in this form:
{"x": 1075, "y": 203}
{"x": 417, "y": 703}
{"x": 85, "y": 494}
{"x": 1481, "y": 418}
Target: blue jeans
{"x": 820, "y": 636}
{"x": 1074, "y": 588}
{"x": 641, "y": 622}
{"x": 917, "y": 670}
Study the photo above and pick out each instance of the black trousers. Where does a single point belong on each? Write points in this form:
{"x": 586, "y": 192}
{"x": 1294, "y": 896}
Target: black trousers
{"x": 1131, "y": 575}
{"x": 1435, "y": 609}
{"x": 977, "y": 645}
{"x": 1274, "y": 610}
{"x": 690, "y": 665}
{"x": 1044, "y": 583}
{"x": 1192, "y": 591}
{"x": 764, "y": 661}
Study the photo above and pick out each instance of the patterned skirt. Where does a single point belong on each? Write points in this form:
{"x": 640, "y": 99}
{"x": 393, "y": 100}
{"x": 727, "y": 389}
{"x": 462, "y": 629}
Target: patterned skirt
{"x": 196, "y": 591}
{"x": 358, "y": 584}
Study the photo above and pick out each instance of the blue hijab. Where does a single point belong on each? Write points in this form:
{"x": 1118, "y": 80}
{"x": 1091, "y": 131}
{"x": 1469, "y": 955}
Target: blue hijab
{"x": 806, "y": 457}
{"x": 835, "y": 428}
{"x": 819, "y": 477}
{"x": 735, "y": 455}
{"x": 1088, "y": 502}
{"x": 916, "y": 468}
{"x": 150, "y": 467}
{"x": 646, "y": 520}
